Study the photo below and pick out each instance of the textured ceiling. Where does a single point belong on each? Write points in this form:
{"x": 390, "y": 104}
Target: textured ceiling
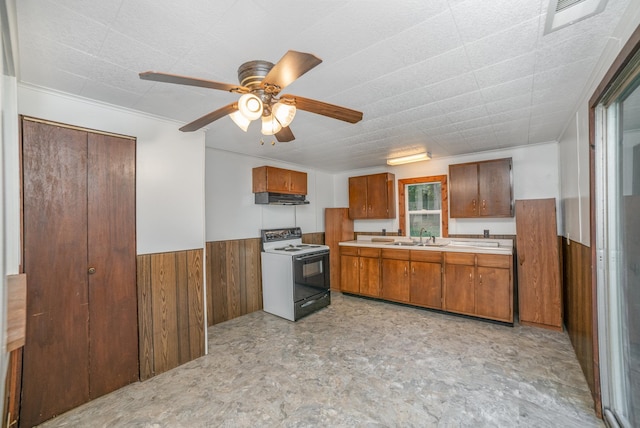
{"x": 447, "y": 76}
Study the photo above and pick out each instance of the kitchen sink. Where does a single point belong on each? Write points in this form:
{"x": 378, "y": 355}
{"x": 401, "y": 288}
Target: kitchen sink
{"x": 432, "y": 244}
{"x": 417, "y": 244}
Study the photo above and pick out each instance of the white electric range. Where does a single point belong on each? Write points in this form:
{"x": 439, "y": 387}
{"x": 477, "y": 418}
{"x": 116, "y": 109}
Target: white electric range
{"x": 295, "y": 276}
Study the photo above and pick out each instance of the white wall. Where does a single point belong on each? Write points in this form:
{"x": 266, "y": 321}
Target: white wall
{"x": 535, "y": 175}
{"x": 231, "y": 212}
{"x": 169, "y": 166}
{"x": 574, "y": 143}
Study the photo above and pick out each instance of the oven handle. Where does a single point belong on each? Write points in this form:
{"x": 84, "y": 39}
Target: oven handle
{"x": 311, "y": 302}
{"x": 305, "y": 304}
{"x": 311, "y": 256}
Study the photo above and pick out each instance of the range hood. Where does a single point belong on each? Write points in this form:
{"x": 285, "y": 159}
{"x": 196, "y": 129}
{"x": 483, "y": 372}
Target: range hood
{"x": 271, "y": 198}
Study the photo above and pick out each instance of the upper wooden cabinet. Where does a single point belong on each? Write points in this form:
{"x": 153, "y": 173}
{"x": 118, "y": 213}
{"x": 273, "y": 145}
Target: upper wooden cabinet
{"x": 278, "y": 180}
{"x": 481, "y": 189}
{"x": 372, "y": 196}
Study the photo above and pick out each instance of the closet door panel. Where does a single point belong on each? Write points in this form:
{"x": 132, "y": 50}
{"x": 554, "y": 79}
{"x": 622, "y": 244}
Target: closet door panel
{"x": 113, "y": 328}
{"x": 55, "y": 377}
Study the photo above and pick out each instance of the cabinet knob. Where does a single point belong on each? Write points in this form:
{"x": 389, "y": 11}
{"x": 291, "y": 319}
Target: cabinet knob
{"x": 484, "y": 204}
{"x": 480, "y": 279}
{"x": 91, "y": 270}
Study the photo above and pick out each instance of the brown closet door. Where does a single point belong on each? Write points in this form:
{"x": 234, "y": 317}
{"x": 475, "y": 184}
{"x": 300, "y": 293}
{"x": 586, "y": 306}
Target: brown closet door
{"x": 113, "y": 322}
{"x": 56, "y": 351}
{"x": 80, "y": 260}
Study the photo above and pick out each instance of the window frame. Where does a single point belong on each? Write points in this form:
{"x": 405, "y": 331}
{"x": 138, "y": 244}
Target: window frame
{"x": 444, "y": 200}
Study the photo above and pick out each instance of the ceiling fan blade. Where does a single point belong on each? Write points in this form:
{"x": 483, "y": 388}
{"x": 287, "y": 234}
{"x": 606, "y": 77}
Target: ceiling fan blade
{"x": 210, "y": 117}
{"x": 285, "y": 135}
{"x": 292, "y": 65}
{"x": 325, "y": 109}
{"x": 184, "y": 80}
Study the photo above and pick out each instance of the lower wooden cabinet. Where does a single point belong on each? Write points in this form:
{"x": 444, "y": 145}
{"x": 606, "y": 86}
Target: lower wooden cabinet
{"x": 479, "y": 285}
{"x": 370, "y": 276}
{"x": 395, "y": 280}
{"x": 459, "y": 290}
{"x": 349, "y": 273}
{"x": 360, "y": 271}
{"x": 426, "y": 284}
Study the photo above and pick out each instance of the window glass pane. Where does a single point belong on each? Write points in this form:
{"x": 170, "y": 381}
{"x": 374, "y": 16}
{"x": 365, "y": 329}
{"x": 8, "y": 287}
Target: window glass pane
{"x": 425, "y": 196}
{"x": 431, "y": 223}
{"x": 629, "y": 233}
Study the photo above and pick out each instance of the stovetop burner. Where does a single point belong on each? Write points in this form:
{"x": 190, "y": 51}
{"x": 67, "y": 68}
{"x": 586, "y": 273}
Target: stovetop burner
{"x": 298, "y": 247}
{"x": 287, "y": 241}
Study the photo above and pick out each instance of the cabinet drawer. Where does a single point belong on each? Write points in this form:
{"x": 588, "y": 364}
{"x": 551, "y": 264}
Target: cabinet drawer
{"x": 426, "y": 256}
{"x": 395, "y": 254}
{"x": 349, "y": 251}
{"x": 460, "y": 258}
{"x": 494, "y": 260}
{"x": 369, "y": 252}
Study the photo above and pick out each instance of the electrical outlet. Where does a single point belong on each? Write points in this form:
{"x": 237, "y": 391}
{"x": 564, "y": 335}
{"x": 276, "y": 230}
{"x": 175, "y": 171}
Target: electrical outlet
{"x": 486, "y": 233}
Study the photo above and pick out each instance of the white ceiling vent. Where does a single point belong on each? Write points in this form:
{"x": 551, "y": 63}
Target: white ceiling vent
{"x": 566, "y": 12}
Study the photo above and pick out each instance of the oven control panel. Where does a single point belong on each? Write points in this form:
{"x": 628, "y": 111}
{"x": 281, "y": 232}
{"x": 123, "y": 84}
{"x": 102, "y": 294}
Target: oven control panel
{"x": 274, "y": 235}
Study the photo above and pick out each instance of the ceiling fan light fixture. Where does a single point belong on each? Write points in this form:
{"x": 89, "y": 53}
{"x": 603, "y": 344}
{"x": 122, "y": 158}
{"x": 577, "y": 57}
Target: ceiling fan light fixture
{"x": 284, "y": 113}
{"x": 240, "y": 120}
{"x": 408, "y": 159}
{"x": 270, "y": 125}
{"x": 250, "y": 106}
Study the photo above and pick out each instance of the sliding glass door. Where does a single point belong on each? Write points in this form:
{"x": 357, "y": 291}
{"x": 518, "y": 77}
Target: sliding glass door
{"x": 618, "y": 244}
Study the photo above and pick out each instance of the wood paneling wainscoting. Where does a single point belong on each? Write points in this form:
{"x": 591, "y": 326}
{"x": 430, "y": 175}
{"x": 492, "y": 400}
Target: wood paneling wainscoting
{"x": 234, "y": 285}
{"x": 578, "y": 306}
{"x": 234, "y": 277}
{"x": 170, "y": 310}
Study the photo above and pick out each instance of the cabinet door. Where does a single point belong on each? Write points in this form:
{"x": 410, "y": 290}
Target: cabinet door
{"x": 278, "y": 180}
{"x": 370, "y": 276}
{"x": 539, "y": 273}
{"x": 494, "y": 187}
{"x": 298, "y": 182}
{"x": 358, "y": 197}
{"x": 459, "y": 288}
{"x": 426, "y": 284}
{"x": 493, "y": 294}
{"x": 377, "y": 196}
{"x": 463, "y": 190}
{"x": 395, "y": 280}
{"x": 349, "y": 274}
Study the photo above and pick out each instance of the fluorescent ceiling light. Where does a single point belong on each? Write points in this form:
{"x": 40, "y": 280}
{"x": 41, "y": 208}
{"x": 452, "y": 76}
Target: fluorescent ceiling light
{"x": 408, "y": 159}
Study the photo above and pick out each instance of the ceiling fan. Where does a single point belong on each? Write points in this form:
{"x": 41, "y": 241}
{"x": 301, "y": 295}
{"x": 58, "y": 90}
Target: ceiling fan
{"x": 260, "y": 86}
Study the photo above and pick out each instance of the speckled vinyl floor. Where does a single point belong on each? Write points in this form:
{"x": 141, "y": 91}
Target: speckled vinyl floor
{"x": 359, "y": 363}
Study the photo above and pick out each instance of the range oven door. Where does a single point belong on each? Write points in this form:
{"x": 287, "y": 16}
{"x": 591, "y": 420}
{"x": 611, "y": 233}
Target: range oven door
{"x": 311, "y": 275}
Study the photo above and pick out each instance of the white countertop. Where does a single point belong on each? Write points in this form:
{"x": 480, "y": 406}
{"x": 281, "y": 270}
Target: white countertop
{"x": 460, "y": 245}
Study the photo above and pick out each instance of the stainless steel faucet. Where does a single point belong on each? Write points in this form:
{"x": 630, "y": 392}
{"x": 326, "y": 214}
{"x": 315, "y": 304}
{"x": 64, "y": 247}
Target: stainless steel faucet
{"x": 421, "y": 231}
